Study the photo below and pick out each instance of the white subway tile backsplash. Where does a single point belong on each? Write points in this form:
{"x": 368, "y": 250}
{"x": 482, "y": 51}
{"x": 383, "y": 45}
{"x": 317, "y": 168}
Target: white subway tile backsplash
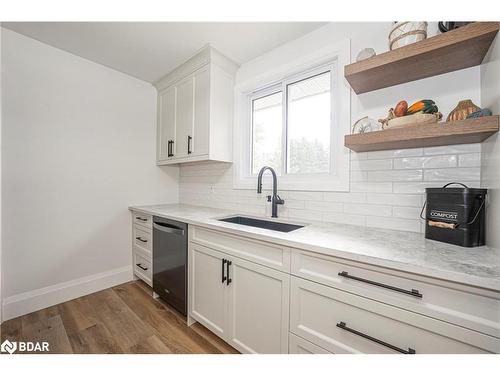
{"x": 305, "y": 214}
{"x": 413, "y": 187}
{"x": 325, "y": 206}
{"x": 444, "y": 161}
{"x": 366, "y": 165}
{"x": 453, "y": 174}
{"x": 409, "y": 200}
{"x": 469, "y": 160}
{"x": 453, "y": 149}
{"x": 393, "y": 223}
{"x": 344, "y": 197}
{"x": 367, "y": 209}
{"x": 343, "y": 218}
{"x": 358, "y": 176}
{"x": 306, "y": 195}
{"x": 378, "y": 187}
{"x": 387, "y": 188}
{"x": 389, "y": 154}
{"x": 395, "y": 175}
{"x": 406, "y": 212}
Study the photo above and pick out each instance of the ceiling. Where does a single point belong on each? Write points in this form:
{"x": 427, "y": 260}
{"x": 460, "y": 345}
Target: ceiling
{"x": 148, "y": 50}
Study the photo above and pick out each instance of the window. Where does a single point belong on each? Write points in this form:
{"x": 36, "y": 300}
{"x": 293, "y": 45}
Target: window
{"x": 266, "y": 132}
{"x": 308, "y": 125}
{"x": 296, "y": 125}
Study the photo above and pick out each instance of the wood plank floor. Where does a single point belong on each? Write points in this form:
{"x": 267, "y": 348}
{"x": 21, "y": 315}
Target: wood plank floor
{"x": 123, "y": 319}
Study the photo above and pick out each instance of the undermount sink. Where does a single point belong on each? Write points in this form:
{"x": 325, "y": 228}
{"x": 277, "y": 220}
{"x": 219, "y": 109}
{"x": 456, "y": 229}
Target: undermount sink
{"x": 259, "y": 223}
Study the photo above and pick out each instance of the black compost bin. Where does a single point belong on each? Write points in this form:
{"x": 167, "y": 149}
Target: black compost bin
{"x": 455, "y": 215}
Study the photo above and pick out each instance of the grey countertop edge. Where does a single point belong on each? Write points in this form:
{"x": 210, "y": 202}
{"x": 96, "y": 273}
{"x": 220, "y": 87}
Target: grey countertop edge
{"x": 446, "y": 275}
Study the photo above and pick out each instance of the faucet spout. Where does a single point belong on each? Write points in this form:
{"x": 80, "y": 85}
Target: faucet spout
{"x": 275, "y": 199}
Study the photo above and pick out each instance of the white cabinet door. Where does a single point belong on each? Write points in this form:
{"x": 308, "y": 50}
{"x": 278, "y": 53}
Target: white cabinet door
{"x": 208, "y": 297}
{"x": 258, "y": 308}
{"x": 184, "y": 116}
{"x": 200, "y": 138}
{"x": 166, "y": 121}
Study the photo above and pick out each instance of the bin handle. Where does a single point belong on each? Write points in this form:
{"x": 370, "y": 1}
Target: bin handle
{"x": 455, "y": 183}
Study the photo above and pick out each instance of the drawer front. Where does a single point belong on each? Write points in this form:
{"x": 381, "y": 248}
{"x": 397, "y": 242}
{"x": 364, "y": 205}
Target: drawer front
{"x": 142, "y": 219}
{"x": 469, "y": 307}
{"x": 297, "y": 345}
{"x": 273, "y": 256}
{"x": 345, "y": 323}
{"x": 143, "y": 269}
{"x": 142, "y": 240}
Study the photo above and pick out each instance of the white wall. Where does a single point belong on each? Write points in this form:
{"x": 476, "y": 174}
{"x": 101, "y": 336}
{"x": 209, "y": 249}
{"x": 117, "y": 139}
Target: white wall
{"x": 78, "y": 148}
{"x": 1, "y": 122}
{"x": 490, "y": 172}
{"x": 386, "y": 187}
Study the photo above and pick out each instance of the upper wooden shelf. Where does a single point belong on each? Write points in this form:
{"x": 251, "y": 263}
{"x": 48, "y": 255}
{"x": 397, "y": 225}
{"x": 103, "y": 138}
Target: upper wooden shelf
{"x": 456, "y": 49}
{"x": 428, "y": 135}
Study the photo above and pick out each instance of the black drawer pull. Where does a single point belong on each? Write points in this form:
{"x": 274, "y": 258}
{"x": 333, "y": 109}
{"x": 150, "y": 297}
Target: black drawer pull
{"x": 223, "y": 275}
{"x": 141, "y": 267}
{"x": 140, "y": 218}
{"x": 141, "y": 239}
{"x": 228, "y": 263}
{"x": 343, "y": 326}
{"x": 189, "y": 143}
{"x": 413, "y": 292}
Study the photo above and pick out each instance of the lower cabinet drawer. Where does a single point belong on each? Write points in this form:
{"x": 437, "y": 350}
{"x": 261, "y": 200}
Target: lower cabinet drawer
{"x": 342, "y": 322}
{"x": 473, "y": 308}
{"x": 143, "y": 269}
{"x": 297, "y": 345}
{"x": 142, "y": 240}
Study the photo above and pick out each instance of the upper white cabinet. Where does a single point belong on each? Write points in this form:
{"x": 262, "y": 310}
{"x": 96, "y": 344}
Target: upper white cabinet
{"x": 195, "y": 110}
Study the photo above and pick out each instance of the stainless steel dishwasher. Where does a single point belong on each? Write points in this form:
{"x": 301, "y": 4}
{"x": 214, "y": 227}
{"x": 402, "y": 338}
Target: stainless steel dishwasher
{"x": 170, "y": 262}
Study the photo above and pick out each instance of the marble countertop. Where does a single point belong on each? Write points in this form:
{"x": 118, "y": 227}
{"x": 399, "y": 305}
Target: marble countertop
{"x": 406, "y": 251}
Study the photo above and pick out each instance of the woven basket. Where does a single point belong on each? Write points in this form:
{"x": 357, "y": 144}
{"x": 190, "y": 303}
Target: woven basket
{"x": 405, "y": 33}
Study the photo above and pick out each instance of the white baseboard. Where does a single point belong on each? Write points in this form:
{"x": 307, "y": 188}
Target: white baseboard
{"x": 34, "y": 300}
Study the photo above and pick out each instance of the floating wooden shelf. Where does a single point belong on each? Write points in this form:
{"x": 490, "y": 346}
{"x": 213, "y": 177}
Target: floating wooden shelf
{"x": 429, "y": 135}
{"x": 456, "y": 49}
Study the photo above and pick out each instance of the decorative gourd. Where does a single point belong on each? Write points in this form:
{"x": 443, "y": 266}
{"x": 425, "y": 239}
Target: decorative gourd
{"x": 462, "y": 110}
{"x": 422, "y": 106}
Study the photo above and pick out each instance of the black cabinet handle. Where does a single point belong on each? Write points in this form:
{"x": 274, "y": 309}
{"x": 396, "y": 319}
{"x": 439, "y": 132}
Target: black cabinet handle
{"x": 170, "y": 151}
{"x": 141, "y": 267}
{"x": 223, "y": 275}
{"x": 141, "y": 239}
{"x": 140, "y": 218}
{"x": 228, "y": 263}
{"x": 189, "y": 143}
{"x": 343, "y": 325}
{"x": 413, "y": 292}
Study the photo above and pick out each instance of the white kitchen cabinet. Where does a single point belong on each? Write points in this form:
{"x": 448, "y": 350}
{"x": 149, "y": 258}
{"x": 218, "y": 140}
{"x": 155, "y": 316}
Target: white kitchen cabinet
{"x": 258, "y": 308}
{"x": 165, "y": 134}
{"x": 208, "y": 293}
{"x": 142, "y": 247}
{"x": 184, "y": 117}
{"x": 195, "y": 110}
{"x": 342, "y": 322}
{"x": 244, "y": 303}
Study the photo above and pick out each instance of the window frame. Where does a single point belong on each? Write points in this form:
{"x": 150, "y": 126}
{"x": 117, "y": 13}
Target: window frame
{"x": 338, "y": 177}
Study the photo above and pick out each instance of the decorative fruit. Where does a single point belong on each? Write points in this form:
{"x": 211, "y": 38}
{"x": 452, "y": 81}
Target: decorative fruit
{"x": 401, "y": 108}
{"x": 422, "y": 106}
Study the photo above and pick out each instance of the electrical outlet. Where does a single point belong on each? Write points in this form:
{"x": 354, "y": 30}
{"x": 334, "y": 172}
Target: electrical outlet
{"x": 211, "y": 188}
